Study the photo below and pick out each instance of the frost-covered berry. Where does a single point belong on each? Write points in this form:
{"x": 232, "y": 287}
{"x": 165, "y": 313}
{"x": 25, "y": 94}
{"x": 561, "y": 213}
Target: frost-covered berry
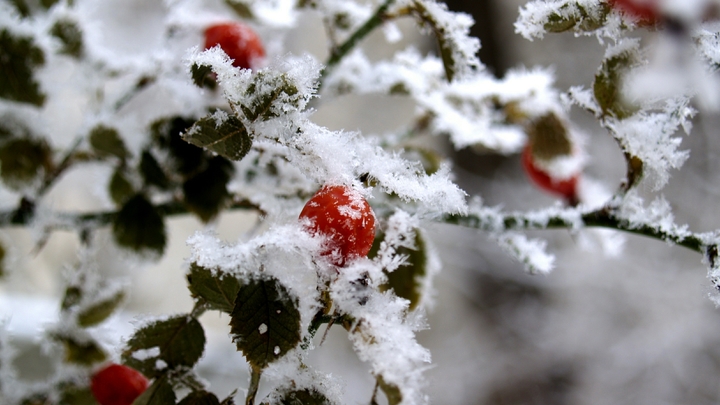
{"x": 566, "y": 187}
{"x": 343, "y": 216}
{"x": 645, "y": 11}
{"x": 238, "y": 41}
{"x": 117, "y": 385}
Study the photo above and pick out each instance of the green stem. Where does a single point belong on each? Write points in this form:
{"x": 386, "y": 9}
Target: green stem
{"x": 338, "y": 53}
{"x": 254, "y": 386}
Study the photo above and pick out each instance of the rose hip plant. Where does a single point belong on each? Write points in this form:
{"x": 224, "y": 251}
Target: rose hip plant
{"x": 343, "y": 216}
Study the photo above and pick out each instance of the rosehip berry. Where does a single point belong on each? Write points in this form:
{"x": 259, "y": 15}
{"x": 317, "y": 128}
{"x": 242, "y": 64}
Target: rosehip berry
{"x": 645, "y": 11}
{"x": 345, "y": 219}
{"x": 238, "y": 41}
{"x": 117, "y": 385}
{"x": 566, "y": 188}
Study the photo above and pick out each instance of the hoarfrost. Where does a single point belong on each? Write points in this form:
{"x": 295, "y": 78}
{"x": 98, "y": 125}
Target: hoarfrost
{"x": 530, "y": 252}
{"x": 382, "y": 335}
{"x": 650, "y": 137}
{"x": 144, "y": 354}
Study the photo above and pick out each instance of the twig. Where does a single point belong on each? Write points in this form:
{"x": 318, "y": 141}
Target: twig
{"x": 338, "y": 53}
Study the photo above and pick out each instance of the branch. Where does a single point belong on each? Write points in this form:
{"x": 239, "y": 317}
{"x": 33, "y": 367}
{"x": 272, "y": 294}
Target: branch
{"x": 338, "y": 53}
{"x": 494, "y": 221}
{"x": 24, "y": 214}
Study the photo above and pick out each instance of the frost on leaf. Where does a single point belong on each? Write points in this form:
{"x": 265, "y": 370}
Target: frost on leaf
{"x": 305, "y": 397}
{"x": 265, "y": 305}
{"x": 220, "y": 133}
{"x": 383, "y": 335}
{"x": 216, "y": 288}
{"x": 402, "y": 252}
{"x": 178, "y": 341}
{"x": 581, "y": 16}
{"x": 530, "y": 252}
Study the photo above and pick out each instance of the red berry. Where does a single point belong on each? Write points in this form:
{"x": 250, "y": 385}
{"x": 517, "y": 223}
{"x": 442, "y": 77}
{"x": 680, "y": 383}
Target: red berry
{"x": 117, "y": 385}
{"x": 238, "y": 41}
{"x": 645, "y": 11}
{"x": 566, "y": 188}
{"x": 343, "y": 216}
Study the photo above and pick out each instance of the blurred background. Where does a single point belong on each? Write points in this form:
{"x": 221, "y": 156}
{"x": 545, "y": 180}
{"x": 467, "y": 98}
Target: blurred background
{"x": 634, "y": 328}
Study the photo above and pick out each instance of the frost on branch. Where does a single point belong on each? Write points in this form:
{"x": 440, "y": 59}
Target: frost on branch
{"x": 650, "y": 137}
{"x": 530, "y": 252}
{"x": 458, "y": 50}
{"x": 475, "y": 110}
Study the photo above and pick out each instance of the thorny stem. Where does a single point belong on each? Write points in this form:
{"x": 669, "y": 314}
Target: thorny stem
{"x": 338, "y": 53}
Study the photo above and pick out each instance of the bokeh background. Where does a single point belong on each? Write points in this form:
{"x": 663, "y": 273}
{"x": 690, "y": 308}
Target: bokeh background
{"x": 629, "y": 328}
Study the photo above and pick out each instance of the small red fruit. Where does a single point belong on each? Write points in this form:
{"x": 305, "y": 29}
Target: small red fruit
{"x": 238, "y": 41}
{"x": 117, "y": 385}
{"x": 566, "y": 188}
{"x": 343, "y": 216}
{"x": 645, "y": 11}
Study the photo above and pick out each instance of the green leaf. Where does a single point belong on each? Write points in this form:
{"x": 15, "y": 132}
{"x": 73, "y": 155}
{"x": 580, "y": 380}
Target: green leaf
{"x": 206, "y": 193}
{"x": 608, "y": 84}
{"x": 549, "y": 138}
{"x": 19, "y": 57}
{"x": 202, "y": 76}
{"x": 178, "y": 341}
{"x": 184, "y": 157}
{"x": 151, "y": 171}
{"x": 70, "y": 36}
{"x": 120, "y": 188}
{"x": 106, "y": 141}
{"x": 217, "y": 289}
{"x": 241, "y": 8}
{"x": 21, "y": 161}
{"x": 159, "y": 393}
{"x": 265, "y": 322}
{"x": 200, "y": 398}
{"x": 99, "y": 311}
{"x": 83, "y": 353}
{"x": 304, "y": 397}
{"x": 220, "y": 133}
{"x": 139, "y": 226}
{"x": 392, "y": 392}
{"x": 269, "y": 93}
{"x": 74, "y": 395}
{"x": 21, "y": 6}
{"x": 406, "y": 280}
{"x": 72, "y": 297}
{"x": 49, "y": 3}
